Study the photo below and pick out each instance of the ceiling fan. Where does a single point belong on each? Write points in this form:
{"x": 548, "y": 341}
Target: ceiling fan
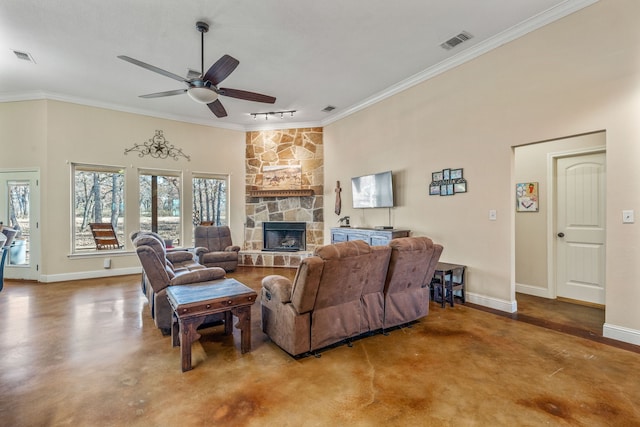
{"x": 204, "y": 88}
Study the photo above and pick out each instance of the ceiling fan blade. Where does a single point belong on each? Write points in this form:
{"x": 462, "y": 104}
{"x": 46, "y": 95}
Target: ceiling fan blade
{"x": 167, "y": 93}
{"x": 217, "y": 108}
{"x": 153, "y": 68}
{"x": 221, "y": 69}
{"x": 246, "y": 95}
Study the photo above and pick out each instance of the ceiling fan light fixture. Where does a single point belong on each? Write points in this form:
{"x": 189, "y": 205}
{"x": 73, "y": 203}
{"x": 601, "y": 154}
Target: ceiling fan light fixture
{"x": 203, "y": 95}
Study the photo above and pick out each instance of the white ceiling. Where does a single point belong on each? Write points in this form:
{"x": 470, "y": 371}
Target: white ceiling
{"x": 307, "y": 53}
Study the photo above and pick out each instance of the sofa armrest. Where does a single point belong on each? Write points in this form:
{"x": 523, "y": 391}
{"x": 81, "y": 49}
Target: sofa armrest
{"x": 233, "y": 248}
{"x": 278, "y": 288}
{"x": 179, "y": 256}
{"x": 196, "y": 276}
{"x": 201, "y": 250}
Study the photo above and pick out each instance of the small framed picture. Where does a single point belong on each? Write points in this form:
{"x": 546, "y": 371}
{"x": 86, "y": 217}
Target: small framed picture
{"x": 446, "y": 174}
{"x": 436, "y": 176}
{"x": 434, "y": 190}
{"x": 456, "y": 173}
{"x": 443, "y": 190}
{"x": 460, "y": 187}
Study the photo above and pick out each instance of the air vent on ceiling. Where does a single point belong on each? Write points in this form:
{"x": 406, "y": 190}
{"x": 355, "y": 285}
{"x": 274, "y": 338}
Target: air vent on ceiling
{"x": 455, "y": 41}
{"x": 25, "y": 56}
{"x": 328, "y": 108}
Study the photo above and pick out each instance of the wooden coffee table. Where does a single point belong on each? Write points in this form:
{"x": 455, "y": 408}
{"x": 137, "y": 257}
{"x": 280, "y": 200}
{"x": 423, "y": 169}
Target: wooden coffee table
{"x": 192, "y": 304}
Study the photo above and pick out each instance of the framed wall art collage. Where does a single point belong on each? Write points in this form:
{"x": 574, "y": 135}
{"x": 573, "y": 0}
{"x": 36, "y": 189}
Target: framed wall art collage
{"x": 447, "y": 182}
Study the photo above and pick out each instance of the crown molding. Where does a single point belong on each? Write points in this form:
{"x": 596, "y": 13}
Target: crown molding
{"x": 51, "y": 96}
{"x": 543, "y": 18}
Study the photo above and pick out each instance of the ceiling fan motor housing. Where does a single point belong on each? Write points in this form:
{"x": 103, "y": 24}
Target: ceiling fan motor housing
{"x": 201, "y": 26}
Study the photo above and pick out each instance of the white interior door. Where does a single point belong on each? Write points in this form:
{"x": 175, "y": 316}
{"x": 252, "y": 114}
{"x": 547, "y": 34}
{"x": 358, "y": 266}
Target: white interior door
{"x": 580, "y": 264}
{"x": 20, "y": 206}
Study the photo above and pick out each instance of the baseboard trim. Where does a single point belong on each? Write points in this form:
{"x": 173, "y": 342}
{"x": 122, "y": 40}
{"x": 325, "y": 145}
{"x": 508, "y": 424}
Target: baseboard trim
{"x": 494, "y": 303}
{"x": 50, "y": 278}
{"x": 620, "y": 333}
{"x": 533, "y": 290}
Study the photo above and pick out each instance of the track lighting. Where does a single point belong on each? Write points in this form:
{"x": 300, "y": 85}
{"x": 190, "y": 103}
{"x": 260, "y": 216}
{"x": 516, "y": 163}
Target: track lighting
{"x": 273, "y": 113}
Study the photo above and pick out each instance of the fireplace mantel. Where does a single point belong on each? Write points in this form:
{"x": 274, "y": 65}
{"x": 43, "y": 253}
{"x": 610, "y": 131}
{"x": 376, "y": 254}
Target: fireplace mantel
{"x": 282, "y": 193}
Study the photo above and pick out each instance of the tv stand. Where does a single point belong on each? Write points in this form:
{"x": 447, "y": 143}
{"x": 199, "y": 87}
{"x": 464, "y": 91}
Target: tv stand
{"x": 373, "y": 236}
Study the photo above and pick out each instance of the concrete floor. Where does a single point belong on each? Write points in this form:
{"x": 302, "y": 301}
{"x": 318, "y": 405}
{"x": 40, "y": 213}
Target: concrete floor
{"x": 86, "y": 353}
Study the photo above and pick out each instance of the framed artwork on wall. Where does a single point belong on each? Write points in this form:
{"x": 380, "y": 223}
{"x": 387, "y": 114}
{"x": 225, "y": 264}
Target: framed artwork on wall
{"x": 447, "y": 182}
{"x": 527, "y": 197}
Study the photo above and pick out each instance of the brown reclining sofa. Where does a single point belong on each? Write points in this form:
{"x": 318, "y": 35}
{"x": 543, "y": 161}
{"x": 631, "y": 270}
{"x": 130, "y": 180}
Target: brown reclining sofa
{"x": 348, "y": 289}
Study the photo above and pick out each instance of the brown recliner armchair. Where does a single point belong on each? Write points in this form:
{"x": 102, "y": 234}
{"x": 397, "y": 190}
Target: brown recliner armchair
{"x": 160, "y": 274}
{"x": 411, "y": 268}
{"x": 214, "y": 247}
{"x": 335, "y": 295}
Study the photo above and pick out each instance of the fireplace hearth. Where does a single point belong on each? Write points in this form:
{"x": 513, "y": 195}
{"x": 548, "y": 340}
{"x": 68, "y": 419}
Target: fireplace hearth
{"x": 282, "y": 236}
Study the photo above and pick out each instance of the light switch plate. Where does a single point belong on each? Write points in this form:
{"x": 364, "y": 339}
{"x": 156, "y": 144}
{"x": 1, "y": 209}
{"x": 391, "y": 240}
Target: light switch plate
{"x": 493, "y": 215}
{"x": 627, "y": 217}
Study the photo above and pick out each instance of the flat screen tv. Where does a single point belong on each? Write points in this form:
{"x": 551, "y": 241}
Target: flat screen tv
{"x": 373, "y": 191}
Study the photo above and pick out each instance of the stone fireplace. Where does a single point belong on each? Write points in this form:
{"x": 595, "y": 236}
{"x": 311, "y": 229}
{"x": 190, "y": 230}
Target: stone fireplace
{"x": 301, "y": 147}
{"x": 282, "y": 236}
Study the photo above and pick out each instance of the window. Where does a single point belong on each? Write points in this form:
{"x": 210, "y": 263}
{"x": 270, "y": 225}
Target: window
{"x": 98, "y": 196}
{"x": 160, "y": 205}
{"x": 210, "y": 200}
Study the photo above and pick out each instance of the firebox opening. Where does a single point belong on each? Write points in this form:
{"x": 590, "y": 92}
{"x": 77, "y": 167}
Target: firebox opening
{"x": 284, "y": 236}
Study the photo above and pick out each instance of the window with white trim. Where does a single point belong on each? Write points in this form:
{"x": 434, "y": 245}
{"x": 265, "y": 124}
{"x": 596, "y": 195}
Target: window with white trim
{"x": 98, "y": 196}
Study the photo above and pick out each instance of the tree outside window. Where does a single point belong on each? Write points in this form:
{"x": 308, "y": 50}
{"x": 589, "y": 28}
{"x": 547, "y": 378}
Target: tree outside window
{"x": 98, "y": 197}
{"x": 160, "y": 205}
{"x": 210, "y": 200}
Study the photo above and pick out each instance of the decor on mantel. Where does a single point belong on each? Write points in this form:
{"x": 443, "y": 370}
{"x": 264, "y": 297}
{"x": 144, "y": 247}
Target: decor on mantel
{"x": 281, "y": 177}
{"x": 157, "y": 147}
{"x": 447, "y": 182}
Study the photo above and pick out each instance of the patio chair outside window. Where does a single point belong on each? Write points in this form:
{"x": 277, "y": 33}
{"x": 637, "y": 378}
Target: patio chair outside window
{"x": 104, "y": 235}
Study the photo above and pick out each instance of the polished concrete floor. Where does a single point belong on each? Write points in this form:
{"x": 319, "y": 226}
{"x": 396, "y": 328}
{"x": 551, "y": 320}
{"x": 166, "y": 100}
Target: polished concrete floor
{"x": 86, "y": 353}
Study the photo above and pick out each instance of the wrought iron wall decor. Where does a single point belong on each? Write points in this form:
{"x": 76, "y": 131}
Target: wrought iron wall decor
{"x": 157, "y": 147}
{"x": 447, "y": 182}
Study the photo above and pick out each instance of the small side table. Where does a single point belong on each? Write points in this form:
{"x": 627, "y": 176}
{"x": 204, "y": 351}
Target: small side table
{"x": 443, "y": 278}
{"x": 192, "y": 304}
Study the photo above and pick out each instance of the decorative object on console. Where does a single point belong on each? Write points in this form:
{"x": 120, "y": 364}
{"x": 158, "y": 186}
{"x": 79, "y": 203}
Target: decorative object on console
{"x": 527, "y": 197}
{"x": 158, "y": 148}
{"x": 447, "y": 182}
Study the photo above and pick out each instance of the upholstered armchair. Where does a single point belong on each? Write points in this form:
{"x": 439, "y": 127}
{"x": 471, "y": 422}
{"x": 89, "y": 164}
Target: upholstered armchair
{"x": 160, "y": 274}
{"x": 214, "y": 247}
{"x": 411, "y": 268}
{"x": 6, "y": 238}
{"x": 180, "y": 259}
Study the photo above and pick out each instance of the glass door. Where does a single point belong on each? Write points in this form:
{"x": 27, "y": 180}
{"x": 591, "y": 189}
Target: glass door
{"x": 19, "y": 209}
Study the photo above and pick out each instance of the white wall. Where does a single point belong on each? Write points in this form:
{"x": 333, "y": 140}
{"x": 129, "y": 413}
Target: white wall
{"x": 51, "y": 135}
{"x": 578, "y": 75}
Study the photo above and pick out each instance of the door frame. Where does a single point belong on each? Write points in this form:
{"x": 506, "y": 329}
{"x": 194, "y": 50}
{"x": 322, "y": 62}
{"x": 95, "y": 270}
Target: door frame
{"x": 35, "y": 254}
{"x": 552, "y": 288}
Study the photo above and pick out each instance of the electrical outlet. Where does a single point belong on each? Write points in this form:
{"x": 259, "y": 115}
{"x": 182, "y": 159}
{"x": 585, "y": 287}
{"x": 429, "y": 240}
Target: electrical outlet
{"x": 493, "y": 215}
{"x": 627, "y": 217}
